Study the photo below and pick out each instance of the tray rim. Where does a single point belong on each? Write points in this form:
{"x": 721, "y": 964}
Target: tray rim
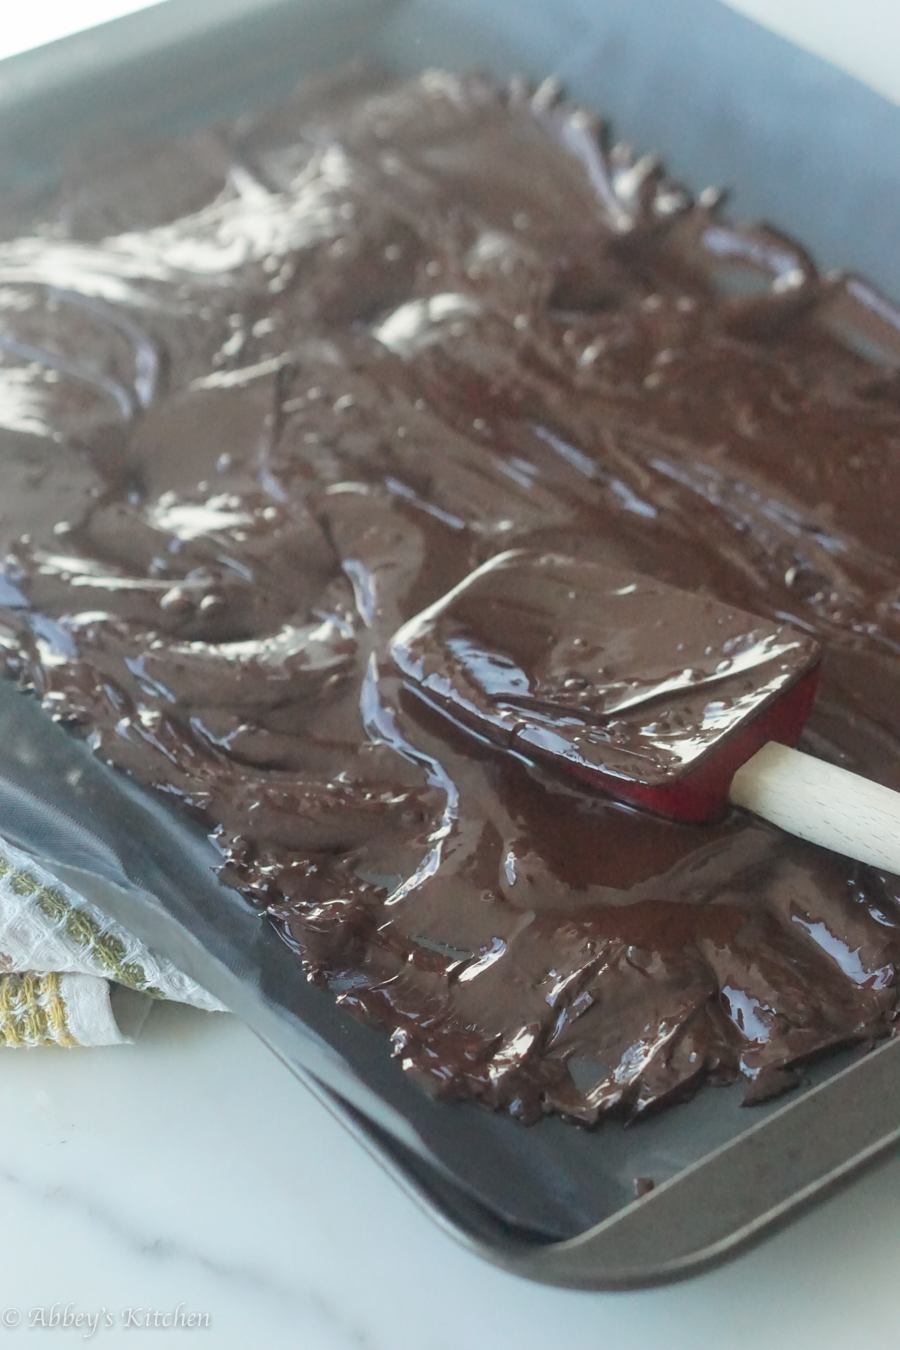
{"x": 84, "y": 57}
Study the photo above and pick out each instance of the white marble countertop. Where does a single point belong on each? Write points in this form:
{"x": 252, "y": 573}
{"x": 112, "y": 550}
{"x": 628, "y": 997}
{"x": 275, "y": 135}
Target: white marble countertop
{"x": 190, "y": 1180}
{"x": 192, "y": 1170}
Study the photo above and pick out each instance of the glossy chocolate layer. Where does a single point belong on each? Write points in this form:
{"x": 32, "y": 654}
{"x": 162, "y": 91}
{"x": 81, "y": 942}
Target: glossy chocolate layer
{"x": 268, "y": 393}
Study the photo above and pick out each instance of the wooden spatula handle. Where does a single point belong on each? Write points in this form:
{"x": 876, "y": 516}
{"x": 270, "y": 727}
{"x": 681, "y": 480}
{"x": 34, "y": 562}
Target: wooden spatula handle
{"x": 822, "y": 803}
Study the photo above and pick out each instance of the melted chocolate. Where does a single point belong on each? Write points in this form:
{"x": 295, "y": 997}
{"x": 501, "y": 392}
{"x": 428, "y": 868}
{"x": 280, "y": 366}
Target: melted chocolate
{"x": 267, "y": 394}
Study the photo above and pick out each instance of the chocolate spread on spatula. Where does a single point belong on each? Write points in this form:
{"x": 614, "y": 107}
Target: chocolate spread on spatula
{"x": 640, "y": 690}
{"x": 269, "y": 392}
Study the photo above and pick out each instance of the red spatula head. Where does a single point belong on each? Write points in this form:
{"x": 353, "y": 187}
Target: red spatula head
{"x": 651, "y": 694}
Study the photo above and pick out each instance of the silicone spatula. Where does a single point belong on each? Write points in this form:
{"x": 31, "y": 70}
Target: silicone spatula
{"x": 659, "y": 697}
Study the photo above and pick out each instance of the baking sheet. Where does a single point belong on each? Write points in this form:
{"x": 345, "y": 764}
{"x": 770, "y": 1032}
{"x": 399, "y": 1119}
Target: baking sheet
{"x": 724, "y": 101}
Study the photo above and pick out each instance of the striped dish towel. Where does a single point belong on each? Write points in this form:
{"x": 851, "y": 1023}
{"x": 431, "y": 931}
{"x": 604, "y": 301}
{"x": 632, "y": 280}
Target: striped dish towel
{"x": 69, "y": 975}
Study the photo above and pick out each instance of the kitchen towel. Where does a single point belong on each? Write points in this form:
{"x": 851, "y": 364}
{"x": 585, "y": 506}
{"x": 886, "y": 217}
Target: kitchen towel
{"x": 69, "y": 975}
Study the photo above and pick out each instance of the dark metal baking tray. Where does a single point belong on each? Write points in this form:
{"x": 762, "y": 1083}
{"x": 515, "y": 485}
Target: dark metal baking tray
{"x": 724, "y": 101}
